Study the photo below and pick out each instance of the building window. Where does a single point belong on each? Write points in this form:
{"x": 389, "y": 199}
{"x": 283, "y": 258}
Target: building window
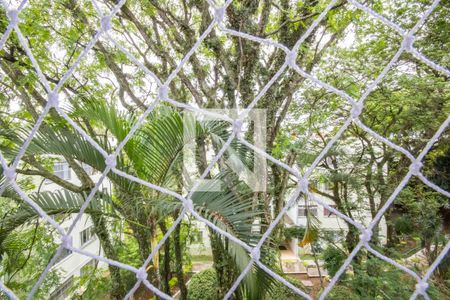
{"x": 65, "y": 253}
{"x": 328, "y": 213}
{"x": 87, "y": 235}
{"x": 62, "y": 170}
{"x": 88, "y": 267}
{"x": 63, "y": 291}
{"x": 303, "y": 210}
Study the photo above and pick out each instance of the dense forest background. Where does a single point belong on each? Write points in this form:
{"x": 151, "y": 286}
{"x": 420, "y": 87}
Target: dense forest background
{"x": 108, "y": 92}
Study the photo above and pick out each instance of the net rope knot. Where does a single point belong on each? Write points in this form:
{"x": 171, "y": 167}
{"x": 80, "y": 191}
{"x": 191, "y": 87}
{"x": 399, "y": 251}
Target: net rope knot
{"x": 66, "y": 241}
{"x": 53, "y": 99}
{"x": 141, "y": 274}
{"x": 421, "y": 287}
{"x": 219, "y": 14}
{"x": 9, "y": 173}
{"x": 291, "y": 58}
{"x": 408, "y": 42}
{"x": 357, "y": 110}
{"x": 106, "y": 23}
{"x": 188, "y": 204}
{"x": 163, "y": 92}
{"x": 13, "y": 16}
{"x": 111, "y": 161}
{"x": 255, "y": 253}
{"x": 415, "y": 167}
{"x": 303, "y": 183}
{"x": 237, "y": 127}
{"x": 366, "y": 235}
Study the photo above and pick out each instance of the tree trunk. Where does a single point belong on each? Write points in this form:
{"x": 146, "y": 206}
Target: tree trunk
{"x": 352, "y": 238}
{"x": 117, "y": 285}
{"x": 179, "y": 260}
{"x": 371, "y": 197}
{"x": 143, "y": 238}
{"x": 165, "y": 269}
{"x": 223, "y": 264}
{"x": 390, "y": 230}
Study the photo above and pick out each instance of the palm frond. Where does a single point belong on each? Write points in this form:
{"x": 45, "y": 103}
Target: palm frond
{"x": 233, "y": 213}
{"x": 312, "y": 227}
{"x": 54, "y": 203}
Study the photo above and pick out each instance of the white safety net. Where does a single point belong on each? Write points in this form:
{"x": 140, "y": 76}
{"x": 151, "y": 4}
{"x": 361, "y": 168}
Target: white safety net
{"x": 407, "y": 45}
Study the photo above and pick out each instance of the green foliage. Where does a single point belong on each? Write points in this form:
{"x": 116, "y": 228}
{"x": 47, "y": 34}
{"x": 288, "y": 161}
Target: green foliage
{"x": 348, "y": 50}
{"x": 294, "y": 232}
{"x": 238, "y": 214}
{"x": 403, "y": 225}
{"x": 333, "y": 258}
{"x": 22, "y": 267}
{"x": 376, "y": 279}
{"x": 154, "y": 154}
{"x": 53, "y": 203}
{"x": 281, "y": 291}
{"x": 94, "y": 282}
{"x": 173, "y": 282}
{"x": 424, "y": 215}
{"x": 203, "y": 286}
{"x": 342, "y": 292}
{"x": 128, "y": 251}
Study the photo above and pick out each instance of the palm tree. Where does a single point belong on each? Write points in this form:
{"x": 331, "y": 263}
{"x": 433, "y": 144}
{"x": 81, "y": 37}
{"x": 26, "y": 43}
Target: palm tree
{"x": 153, "y": 154}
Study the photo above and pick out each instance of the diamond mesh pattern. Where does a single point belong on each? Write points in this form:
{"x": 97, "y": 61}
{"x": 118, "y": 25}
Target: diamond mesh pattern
{"x": 302, "y": 180}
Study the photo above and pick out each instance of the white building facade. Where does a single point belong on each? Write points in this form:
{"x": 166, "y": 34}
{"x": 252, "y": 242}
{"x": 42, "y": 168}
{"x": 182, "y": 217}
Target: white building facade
{"x": 328, "y": 221}
{"x": 69, "y": 264}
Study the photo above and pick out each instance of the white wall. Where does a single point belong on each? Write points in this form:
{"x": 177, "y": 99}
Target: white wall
{"x": 72, "y": 264}
{"x": 327, "y": 222}
{"x": 331, "y": 222}
{"x": 48, "y": 185}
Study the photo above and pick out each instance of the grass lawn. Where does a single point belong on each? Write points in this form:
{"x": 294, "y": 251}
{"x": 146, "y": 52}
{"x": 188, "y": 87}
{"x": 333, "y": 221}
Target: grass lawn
{"x": 202, "y": 258}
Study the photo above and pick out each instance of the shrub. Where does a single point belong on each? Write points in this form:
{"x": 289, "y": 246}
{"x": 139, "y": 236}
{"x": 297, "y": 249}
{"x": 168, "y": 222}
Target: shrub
{"x": 294, "y": 232}
{"x": 341, "y": 292}
{"x": 281, "y": 291}
{"x": 203, "y": 286}
{"x": 334, "y": 258}
{"x": 376, "y": 279}
{"x": 403, "y": 225}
